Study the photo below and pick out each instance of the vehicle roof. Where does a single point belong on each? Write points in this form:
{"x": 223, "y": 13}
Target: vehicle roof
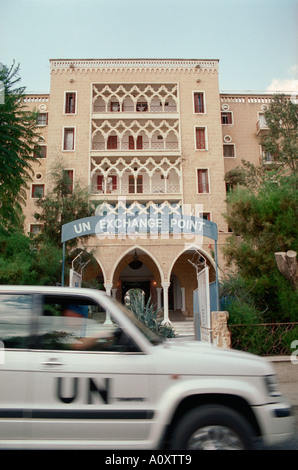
{"x": 51, "y": 289}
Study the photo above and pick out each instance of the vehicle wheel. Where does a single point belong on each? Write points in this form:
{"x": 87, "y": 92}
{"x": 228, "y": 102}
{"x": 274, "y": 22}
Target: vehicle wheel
{"x": 213, "y": 427}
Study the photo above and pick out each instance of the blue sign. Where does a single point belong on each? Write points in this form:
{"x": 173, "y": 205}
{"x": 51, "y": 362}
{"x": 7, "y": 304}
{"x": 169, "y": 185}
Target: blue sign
{"x": 136, "y": 221}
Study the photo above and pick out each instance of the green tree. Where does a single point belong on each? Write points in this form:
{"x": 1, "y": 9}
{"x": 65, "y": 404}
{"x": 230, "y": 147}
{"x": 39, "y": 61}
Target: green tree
{"x": 64, "y": 203}
{"x": 262, "y": 212}
{"x": 17, "y": 136}
{"x": 23, "y": 262}
{"x": 281, "y": 142}
{"x": 264, "y": 221}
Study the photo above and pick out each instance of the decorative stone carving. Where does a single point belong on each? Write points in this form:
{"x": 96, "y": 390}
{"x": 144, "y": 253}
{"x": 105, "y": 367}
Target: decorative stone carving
{"x": 134, "y": 65}
{"x": 155, "y": 98}
{"x": 288, "y": 266}
{"x": 221, "y": 336}
{"x": 149, "y": 130}
{"x": 161, "y": 175}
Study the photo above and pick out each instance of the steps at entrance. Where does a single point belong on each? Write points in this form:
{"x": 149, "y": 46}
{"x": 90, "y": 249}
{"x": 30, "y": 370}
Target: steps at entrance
{"x": 183, "y": 328}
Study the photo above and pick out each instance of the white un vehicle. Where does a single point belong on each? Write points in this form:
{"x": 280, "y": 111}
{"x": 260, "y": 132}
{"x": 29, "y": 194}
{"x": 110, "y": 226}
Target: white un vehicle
{"x": 78, "y": 371}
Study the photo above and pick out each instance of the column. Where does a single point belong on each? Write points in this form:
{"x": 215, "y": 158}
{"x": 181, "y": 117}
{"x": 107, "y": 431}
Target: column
{"x": 165, "y": 286}
{"x": 182, "y": 299}
{"x": 158, "y": 290}
{"x": 108, "y": 288}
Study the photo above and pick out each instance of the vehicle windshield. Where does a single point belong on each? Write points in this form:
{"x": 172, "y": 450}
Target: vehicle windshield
{"x": 152, "y": 337}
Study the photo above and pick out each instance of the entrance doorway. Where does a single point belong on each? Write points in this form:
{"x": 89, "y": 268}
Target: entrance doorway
{"x": 137, "y": 270}
{"x": 143, "y": 285}
{"x": 184, "y": 279}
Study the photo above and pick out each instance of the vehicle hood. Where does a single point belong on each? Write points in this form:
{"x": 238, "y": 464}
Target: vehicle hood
{"x": 198, "y": 358}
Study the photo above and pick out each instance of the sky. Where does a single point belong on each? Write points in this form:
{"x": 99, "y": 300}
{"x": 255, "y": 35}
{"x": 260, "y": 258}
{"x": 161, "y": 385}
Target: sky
{"x": 255, "y": 40}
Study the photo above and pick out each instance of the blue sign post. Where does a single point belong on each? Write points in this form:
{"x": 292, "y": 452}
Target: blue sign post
{"x": 134, "y": 221}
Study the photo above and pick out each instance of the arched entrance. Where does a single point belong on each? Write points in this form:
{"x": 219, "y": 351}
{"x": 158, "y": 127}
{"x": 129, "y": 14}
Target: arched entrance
{"x": 88, "y": 267}
{"x": 137, "y": 270}
{"x": 177, "y": 284}
{"x": 184, "y": 282}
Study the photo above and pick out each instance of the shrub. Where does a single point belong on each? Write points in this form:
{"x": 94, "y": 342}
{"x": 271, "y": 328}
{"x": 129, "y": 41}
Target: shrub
{"x": 148, "y": 314}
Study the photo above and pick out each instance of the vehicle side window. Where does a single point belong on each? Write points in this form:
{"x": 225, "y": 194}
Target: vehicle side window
{"x": 15, "y": 320}
{"x": 77, "y": 324}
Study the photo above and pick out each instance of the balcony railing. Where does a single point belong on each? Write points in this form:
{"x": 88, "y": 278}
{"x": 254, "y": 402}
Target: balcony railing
{"x": 157, "y": 177}
{"x": 262, "y": 126}
{"x": 124, "y": 146}
{"x": 134, "y": 109}
{"x": 272, "y": 161}
{"x": 268, "y": 158}
{"x": 127, "y": 190}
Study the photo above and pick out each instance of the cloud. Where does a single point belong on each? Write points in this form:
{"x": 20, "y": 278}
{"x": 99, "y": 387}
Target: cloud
{"x": 287, "y": 85}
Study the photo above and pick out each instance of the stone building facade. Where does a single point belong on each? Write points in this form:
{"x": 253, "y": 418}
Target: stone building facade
{"x": 152, "y": 133}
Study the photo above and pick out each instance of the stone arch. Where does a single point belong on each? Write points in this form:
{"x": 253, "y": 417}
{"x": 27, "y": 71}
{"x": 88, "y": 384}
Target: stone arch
{"x": 148, "y": 276}
{"x": 155, "y": 103}
{"x": 131, "y": 249}
{"x": 184, "y": 275}
{"x": 116, "y": 103}
{"x": 94, "y": 272}
{"x": 172, "y": 139}
{"x": 194, "y": 248}
{"x": 128, "y": 104}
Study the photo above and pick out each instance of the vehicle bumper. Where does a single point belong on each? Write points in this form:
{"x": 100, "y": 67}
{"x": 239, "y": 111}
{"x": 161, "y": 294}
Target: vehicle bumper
{"x": 277, "y": 422}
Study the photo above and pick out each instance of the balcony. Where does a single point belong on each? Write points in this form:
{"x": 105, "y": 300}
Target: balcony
{"x": 135, "y": 135}
{"x": 145, "y": 178}
{"x": 262, "y": 126}
{"x": 141, "y": 193}
{"x": 133, "y": 109}
{"x": 134, "y": 99}
{"x": 124, "y": 146}
{"x": 270, "y": 161}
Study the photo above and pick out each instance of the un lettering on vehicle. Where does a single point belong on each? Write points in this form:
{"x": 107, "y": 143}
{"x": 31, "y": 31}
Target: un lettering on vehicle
{"x": 70, "y": 389}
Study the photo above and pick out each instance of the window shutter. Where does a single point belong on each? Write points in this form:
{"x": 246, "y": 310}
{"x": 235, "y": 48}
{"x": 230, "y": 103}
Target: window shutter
{"x": 112, "y": 142}
{"x": 70, "y": 103}
{"x": 99, "y": 182}
{"x": 199, "y": 102}
{"x": 203, "y": 184}
{"x": 43, "y": 151}
{"x": 140, "y": 184}
{"x": 226, "y": 118}
{"x": 200, "y": 139}
{"x": 37, "y": 190}
{"x": 70, "y": 176}
{"x": 131, "y": 184}
{"x": 68, "y": 139}
{"x": 139, "y": 142}
{"x": 228, "y": 150}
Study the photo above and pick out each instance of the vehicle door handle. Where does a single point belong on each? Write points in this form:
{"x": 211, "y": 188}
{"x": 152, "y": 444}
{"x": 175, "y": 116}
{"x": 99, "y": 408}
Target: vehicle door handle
{"x": 52, "y": 362}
